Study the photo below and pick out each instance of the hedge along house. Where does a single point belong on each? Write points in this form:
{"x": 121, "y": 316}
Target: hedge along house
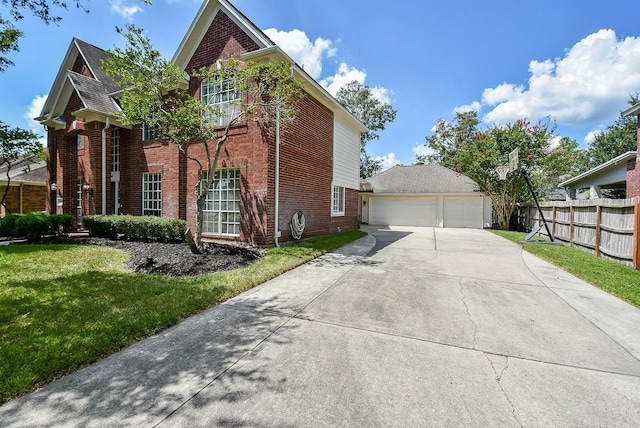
{"x": 100, "y": 166}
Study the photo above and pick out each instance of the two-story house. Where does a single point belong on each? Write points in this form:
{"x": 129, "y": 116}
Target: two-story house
{"x": 96, "y": 165}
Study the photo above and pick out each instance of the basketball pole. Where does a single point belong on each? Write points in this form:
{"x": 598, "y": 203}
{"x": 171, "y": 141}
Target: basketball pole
{"x": 535, "y": 198}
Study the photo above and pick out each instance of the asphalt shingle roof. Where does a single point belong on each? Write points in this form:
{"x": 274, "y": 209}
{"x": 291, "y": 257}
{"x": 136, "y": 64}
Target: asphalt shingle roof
{"x": 421, "y": 179}
{"x": 93, "y": 93}
{"x": 25, "y": 170}
{"x": 93, "y": 55}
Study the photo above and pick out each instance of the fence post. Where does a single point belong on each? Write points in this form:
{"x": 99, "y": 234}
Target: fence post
{"x": 636, "y": 234}
{"x": 571, "y": 226}
{"x": 598, "y": 228}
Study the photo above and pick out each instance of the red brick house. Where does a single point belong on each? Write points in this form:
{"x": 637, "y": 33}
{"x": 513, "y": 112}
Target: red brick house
{"x": 100, "y": 166}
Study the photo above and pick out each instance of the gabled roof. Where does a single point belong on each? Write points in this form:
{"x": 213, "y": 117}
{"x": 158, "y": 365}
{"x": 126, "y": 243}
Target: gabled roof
{"x": 94, "y": 93}
{"x": 421, "y": 179}
{"x": 267, "y": 51}
{"x": 203, "y": 20}
{"x": 613, "y": 171}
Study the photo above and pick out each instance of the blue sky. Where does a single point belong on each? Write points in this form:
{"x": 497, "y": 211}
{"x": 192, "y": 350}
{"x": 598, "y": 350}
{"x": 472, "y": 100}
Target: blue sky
{"x": 576, "y": 62}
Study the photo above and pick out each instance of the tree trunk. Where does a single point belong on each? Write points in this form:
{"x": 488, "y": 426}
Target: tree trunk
{"x": 195, "y": 240}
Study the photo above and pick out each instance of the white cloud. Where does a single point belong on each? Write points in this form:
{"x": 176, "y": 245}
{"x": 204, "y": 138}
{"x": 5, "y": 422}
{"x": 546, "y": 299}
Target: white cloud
{"x": 388, "y": 161}
{"x": 591, "y": 83}
{"x": 298, "y": 46}
{"x": 123, "y": 10}
{"x": 310, "y": 56}
{"x": 474, "y": 106}
{"x": 591, "y": 136}
{"x": 344, "y": 75}
{"x": 35, "y": 108}
{"x": 421, "y": 149}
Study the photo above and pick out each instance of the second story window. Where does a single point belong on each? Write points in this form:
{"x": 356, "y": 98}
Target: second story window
{"x": 115, "y": 150}
{"x": 149, "y": 132}
{"x": 222, "y": 96}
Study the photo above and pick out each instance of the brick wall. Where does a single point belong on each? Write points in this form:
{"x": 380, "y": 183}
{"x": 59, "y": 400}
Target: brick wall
{"x": 306, "y": 161}
{"x": 33, "y": 198}
{"x": 633, "y": 172}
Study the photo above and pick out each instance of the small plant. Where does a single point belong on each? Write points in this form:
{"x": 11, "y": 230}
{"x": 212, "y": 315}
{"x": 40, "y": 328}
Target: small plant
{"x": 33, "y": 225}
{"x": 8, "y": 225}
{"x": 136, "y": 228}
{"x": 61, "y": 224}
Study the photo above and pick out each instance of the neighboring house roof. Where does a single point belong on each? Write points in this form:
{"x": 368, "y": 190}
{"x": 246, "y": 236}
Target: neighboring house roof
{"x": 420, "y": 179}
{"x": 25, "y": 171}
{"x": 632, "y": 111}
{"x": 611, "y": 172}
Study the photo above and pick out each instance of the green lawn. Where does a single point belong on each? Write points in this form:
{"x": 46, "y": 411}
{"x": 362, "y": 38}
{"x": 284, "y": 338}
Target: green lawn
{"x": 619, "y": 280}
{"x": 63, "y": 307}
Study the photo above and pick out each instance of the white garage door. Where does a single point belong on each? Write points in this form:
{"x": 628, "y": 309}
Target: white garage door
{"x": 463, "y": 212}
{"x": 404, "y": 211}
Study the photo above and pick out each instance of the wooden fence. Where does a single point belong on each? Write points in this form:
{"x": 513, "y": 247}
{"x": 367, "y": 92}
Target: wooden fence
{"x": 608, "y": 228}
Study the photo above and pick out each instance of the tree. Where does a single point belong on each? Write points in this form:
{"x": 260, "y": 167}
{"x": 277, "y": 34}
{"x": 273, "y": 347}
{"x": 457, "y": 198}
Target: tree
{"x": 448, "y": 137}
{"x": 43, "y": 9}
{"x": 17, "y": 146}
{"x": 360, "y": 101}
{"x": 619, "y": 137}
{"x": 156, "y": 94}
{"x": 483, "y": 151}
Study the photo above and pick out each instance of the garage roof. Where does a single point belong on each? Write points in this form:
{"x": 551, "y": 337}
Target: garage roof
{"x": 420, "y": 179}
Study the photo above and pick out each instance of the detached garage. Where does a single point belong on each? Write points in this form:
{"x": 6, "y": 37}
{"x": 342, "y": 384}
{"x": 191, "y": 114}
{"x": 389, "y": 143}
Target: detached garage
{"x": 423, "y": 195}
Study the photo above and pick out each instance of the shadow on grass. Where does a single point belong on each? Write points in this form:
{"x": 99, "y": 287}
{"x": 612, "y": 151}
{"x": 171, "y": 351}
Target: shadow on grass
{"x": 148, "y": 381}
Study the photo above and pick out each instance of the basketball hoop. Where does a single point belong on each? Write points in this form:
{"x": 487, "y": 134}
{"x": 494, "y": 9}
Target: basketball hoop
{"x": 502, "y": 172}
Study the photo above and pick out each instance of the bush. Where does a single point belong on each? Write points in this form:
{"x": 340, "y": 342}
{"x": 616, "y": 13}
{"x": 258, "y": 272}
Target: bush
{"x": 33, "y": 225}
{"x": 8, "y": 225}
{"x": 136, "y": 228}
{"x": 61, "y": 223}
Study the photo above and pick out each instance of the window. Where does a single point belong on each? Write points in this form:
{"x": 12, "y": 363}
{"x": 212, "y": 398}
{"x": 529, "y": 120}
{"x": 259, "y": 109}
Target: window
{"x": 80, "y": 141}
{"x": 221, "y": 214}
{"x": 152, "y": 194}
{"x": 79, "y": 200}
{"x": 115, "y": 149}
{"x": 149, "y": 132}
{"x": 223, "y": 98}
{"x": 337, "y": 201}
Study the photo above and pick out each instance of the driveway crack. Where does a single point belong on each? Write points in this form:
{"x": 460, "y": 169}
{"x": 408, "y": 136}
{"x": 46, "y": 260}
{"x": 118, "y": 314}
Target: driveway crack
{"x": 466, "y": 307}
{"x": 500, "y": 364}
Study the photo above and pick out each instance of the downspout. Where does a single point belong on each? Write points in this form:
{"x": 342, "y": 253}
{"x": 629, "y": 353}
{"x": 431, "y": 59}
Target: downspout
{"x": 277, "y": 233}
{"x": 104, "y": 166}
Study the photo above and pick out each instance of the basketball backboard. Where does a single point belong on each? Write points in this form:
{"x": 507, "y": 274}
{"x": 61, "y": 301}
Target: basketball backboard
{"x": 513, "y": 160}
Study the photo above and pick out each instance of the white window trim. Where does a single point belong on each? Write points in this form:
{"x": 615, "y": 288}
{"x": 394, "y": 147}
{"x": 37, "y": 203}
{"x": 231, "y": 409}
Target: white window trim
{"x": 224, "y": 173}
{"x": 149, "y": 133}
{"x": 338, "y": 207}
{"x": 146, "y": 193}
{"x": 228, "y": 104}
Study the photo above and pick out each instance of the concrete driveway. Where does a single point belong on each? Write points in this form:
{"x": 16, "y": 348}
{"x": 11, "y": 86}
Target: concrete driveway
{"x": 406, "y": 327}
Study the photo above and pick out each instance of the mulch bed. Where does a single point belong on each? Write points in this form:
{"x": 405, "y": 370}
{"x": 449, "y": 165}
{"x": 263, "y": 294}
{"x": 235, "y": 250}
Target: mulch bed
{"x": 171, "y": 259}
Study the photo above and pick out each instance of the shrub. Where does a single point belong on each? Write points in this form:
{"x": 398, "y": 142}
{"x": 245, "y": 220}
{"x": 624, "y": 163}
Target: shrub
{"x": 33, "y": 225}
{"x": 61, "y": 223}
{"x": 8, "y": 225}
{"x": 136, "y": 228}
